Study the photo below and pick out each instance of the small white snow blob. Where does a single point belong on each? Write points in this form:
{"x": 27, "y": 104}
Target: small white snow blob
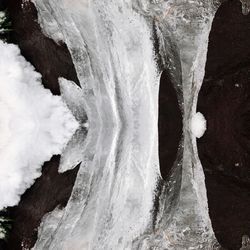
{"x": 198, "y": 125}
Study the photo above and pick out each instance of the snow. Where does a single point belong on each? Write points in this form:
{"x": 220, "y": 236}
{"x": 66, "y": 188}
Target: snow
{"x": 198, "y": 125}
{"x": 34, "y": 125}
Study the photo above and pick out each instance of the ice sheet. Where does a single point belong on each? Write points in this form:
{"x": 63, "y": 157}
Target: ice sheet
{"x": 112, "y": 47}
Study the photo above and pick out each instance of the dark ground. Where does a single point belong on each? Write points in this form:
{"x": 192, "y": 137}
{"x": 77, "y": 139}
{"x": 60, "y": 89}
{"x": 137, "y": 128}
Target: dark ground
{"x": 224, "y": 100}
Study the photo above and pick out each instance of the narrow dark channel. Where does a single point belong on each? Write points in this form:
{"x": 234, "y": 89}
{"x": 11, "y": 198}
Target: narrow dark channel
{"x": 224, "y": 100}
{"x": 170, "y": 124}
{"x": 51, "y": 189}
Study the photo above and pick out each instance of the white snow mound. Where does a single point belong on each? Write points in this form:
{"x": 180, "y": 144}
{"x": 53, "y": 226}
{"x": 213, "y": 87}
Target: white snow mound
{"x": 198, "y": 125}
{"x": 34, "y": 125}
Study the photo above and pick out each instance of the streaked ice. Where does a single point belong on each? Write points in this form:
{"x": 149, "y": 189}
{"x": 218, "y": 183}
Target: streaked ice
{"x": 112, "y": 205}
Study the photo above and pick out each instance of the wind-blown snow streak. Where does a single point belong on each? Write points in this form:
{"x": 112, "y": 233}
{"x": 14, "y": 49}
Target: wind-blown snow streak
{"x": 34, "y": 125}
{"x": 112, "y": 49}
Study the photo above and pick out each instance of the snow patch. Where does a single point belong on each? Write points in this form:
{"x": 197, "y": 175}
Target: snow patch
{"x": 198, "y": 125}
{"x": 34, "y": 125}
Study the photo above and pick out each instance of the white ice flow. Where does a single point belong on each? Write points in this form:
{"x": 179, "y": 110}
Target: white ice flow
{"x": 112, "y": 203}
{"x": 198, "y": 125}
{"x": 112, "y": 199}
{"x": 34, "y": 124}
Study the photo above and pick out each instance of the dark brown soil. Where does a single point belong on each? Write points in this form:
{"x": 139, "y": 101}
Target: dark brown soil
{"x": 224, "y": 150}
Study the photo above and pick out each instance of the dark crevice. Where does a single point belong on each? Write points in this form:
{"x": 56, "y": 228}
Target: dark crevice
{"x": 170, "y": 124}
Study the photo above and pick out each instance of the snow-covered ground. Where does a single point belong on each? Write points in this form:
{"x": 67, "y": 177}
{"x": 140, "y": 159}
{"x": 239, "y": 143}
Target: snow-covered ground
{"x": 34, "y": 125}
{"x": 112, "y": 203}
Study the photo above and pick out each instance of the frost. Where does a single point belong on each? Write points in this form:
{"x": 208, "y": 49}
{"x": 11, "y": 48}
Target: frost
{"x": 34, "y": 125}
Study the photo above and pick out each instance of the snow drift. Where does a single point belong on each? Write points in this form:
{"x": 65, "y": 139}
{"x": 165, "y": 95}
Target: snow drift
{"x": 34, "y": 124}
{"x": 111, "y": 47}
{"x": 198, "y": 125}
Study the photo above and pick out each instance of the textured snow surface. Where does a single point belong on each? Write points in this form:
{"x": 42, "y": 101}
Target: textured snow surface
{"x": 112, "y": 51}
{"x": 112, "y": 203}
{"x": 34, "y": 125}
{"x": 198, "y": 125}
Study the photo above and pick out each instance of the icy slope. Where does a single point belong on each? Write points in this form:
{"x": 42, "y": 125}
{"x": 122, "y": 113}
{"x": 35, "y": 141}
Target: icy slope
{"x": 184, "y": 25}
{"x": 111, "y": 44}
{"x": 34, "y": 125}
{"x": 113, "y": 54}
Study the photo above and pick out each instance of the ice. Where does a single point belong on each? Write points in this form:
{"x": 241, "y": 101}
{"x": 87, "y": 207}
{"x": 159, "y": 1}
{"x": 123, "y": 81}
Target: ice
{"x": 112, "y": 47}
{"x": 74, "y": 98}
{"x": 34, "y": 125}
{"x": 4, "y": 24}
